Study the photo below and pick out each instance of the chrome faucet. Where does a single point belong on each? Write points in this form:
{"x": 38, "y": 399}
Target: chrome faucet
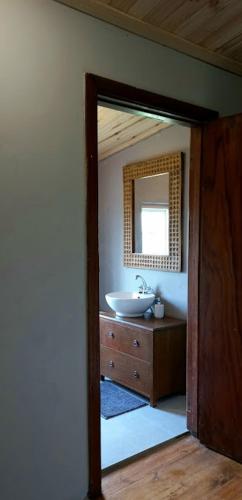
{"x": 144, "y": 288}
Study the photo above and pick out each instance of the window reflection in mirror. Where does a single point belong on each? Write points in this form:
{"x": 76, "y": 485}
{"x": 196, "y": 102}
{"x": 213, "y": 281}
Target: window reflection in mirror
{"x": 151, "y": 215}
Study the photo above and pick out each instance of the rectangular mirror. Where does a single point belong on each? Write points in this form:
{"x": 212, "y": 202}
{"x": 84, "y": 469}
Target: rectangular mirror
{"x": 152, "y": 213}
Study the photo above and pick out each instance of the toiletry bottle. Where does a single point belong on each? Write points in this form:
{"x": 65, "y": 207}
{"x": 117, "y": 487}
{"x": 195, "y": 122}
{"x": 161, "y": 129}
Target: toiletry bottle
{"x": 158, "y": 309}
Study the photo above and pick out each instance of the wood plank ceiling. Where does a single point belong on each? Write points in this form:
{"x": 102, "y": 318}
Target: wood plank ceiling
{"x": 118, "y": 130}
{"x": 210, "y": 30}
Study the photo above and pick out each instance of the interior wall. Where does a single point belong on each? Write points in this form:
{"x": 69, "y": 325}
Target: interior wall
{"x": 45, "y": 51}
{"x": 113, "y": 275}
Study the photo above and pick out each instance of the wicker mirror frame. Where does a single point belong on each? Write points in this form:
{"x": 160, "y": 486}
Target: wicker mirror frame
{"x": 172, "y": 164}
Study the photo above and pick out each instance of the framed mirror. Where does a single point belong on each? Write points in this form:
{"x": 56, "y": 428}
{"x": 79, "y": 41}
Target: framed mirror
{"x": 153, "y": 213}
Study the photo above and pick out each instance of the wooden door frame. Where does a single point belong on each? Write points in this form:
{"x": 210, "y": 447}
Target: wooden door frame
{"x": 99, "y": 88}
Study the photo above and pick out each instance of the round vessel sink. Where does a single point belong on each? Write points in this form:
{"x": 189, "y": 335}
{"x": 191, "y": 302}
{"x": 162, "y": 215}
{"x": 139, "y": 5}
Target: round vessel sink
{"x": 129, "y": 304}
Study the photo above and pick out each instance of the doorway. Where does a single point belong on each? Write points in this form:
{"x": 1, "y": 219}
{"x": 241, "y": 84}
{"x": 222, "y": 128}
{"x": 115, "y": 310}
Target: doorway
{"x": 175, "y": 112}
{"x": 143, "y": 354}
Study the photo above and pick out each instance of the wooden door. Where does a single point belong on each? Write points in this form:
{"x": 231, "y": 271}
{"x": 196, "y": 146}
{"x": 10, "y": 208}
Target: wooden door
{"x": 220, "y": 288}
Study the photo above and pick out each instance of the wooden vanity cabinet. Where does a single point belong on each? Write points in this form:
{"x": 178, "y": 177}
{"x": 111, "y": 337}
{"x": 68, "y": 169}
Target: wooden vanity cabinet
{"x": 148, "y": 356}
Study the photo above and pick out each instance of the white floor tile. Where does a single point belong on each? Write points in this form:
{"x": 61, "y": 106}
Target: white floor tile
{"x": 131, "y": 433}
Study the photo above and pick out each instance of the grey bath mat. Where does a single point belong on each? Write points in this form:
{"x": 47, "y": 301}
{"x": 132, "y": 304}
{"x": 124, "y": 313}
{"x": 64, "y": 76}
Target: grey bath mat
{"x": 115, "y": 400}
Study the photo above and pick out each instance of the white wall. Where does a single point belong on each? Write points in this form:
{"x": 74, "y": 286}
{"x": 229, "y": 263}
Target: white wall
{"x": 113, "y": 275}
{"x": 45, "y": 50}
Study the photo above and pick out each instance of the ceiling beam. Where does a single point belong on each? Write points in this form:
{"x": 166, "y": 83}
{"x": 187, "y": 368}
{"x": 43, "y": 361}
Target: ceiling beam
{"x": 125, "y": 21}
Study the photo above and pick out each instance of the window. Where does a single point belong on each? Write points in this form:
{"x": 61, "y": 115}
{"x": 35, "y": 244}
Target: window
{"x": 155, "y": 230}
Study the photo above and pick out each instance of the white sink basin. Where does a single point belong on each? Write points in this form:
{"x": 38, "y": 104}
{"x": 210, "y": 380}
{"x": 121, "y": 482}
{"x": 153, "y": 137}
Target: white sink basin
{"x": 129, "y": 304}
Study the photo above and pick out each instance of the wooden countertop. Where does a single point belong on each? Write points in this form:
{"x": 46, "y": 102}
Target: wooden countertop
{"x": 152, "y": 324}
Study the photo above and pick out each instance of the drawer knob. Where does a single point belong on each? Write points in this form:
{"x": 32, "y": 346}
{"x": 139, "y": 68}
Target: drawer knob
{"x": 136, "y": 343}
{"x": 135, "y": 374}
{"x": 111, "y": 364}
{"x": 110, "y": 334}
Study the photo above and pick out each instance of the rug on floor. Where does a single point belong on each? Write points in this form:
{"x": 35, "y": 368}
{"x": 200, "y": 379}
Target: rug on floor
{"x": 116, "y": 400}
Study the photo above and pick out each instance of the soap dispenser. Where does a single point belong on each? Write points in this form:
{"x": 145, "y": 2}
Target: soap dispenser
{"x": 158, "y": 309}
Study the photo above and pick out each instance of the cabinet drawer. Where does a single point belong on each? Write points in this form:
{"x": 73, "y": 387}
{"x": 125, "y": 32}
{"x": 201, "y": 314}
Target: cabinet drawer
{"x": 127, "y": 370}
{"x": 130, "y": 340}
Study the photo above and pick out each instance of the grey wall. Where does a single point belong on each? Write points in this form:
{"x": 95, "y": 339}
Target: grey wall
{"x": 45, "y": 50}
{"x": 113, "y": 275}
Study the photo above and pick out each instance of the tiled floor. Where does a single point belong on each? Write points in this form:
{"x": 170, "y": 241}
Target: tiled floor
{"x": 131, "y": 433}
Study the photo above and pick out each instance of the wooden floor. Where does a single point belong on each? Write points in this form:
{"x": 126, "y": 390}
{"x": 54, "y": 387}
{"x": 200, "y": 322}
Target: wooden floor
{"x": 183, "y": 469}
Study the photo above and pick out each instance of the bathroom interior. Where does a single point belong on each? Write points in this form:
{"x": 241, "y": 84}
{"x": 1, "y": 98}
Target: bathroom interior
{"x": 143, "y": 254}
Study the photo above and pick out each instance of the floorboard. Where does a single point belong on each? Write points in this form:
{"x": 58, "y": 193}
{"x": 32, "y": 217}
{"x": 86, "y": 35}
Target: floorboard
{"x": 182, "y": 470}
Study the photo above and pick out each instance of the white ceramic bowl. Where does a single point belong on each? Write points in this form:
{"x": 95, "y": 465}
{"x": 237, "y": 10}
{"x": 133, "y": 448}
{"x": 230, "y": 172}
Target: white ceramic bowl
{"x": 129, "y": 304}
